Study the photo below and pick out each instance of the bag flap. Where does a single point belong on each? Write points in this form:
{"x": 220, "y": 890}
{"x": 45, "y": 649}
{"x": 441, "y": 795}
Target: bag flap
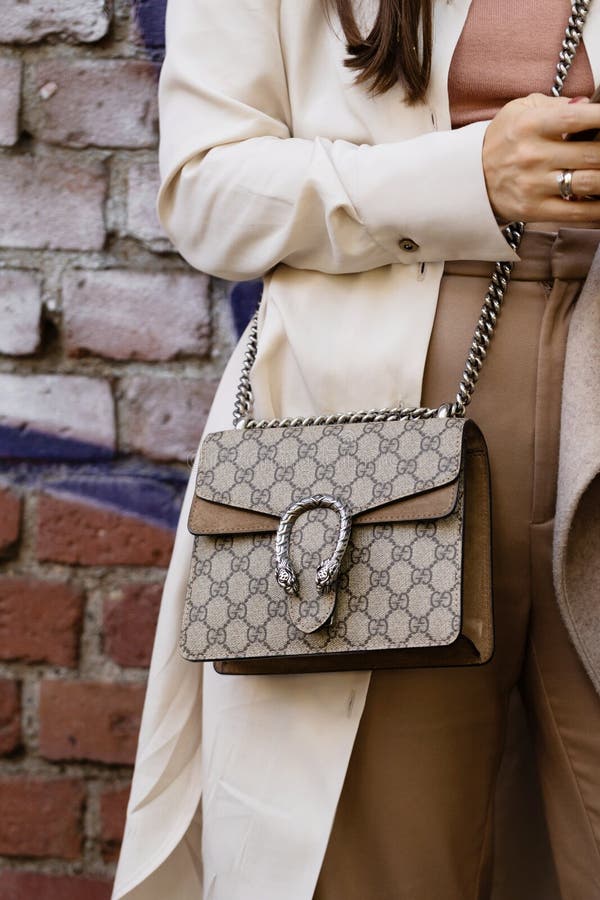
{"x": 367, "y": 466}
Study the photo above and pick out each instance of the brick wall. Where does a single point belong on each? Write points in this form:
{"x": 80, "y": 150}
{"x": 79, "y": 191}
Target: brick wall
{"x": 110, "y": 349}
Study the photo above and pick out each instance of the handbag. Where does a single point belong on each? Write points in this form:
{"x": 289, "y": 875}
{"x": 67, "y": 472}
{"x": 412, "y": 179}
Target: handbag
{"x": 354, "y": 541}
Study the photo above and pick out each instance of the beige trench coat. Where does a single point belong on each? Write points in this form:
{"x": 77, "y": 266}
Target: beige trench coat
{"x": 273, "y": 161}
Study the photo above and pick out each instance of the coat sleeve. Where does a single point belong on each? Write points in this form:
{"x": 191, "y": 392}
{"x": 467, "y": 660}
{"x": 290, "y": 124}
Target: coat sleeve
{"x": 240, "y": 194}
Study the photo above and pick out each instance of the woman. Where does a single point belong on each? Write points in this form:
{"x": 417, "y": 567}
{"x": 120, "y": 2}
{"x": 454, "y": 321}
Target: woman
{"x": 369, "y": 195}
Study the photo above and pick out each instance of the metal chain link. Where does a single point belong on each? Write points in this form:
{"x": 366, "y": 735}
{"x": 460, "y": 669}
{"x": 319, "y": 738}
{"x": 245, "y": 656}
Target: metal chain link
{"x": 486, "y": 325}
{"x": 571, "y": 42}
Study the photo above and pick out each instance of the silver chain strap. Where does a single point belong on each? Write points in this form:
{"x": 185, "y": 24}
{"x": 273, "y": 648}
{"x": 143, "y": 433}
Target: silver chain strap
{"x": 571, "y": 41}
{"x": 486, "y": 325}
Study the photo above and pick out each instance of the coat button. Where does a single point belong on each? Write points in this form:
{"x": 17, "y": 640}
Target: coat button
{"x": 408, "y": 245}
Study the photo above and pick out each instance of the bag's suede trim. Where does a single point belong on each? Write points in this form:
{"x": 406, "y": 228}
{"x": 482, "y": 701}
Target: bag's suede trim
{"x": 207, "y": 517}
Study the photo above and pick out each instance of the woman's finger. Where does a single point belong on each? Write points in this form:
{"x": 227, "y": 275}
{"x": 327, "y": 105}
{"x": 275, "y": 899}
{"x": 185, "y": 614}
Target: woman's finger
{"x": 575, "y": 212}
{"x": 573, "y": 154}
{"x": 554, "y": 120}
{"x": 584, "y": 182}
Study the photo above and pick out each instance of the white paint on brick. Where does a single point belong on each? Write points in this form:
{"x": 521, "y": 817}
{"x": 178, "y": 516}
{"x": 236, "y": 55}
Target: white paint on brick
{"x": 142, "y": 188}
{"x": 48, "y": 90}
{"x": 20, "y": 312}
{"x": 124, "y": 314}
{"x": 30, "y": 20}
{"x": 51, "y": 204}
{"x": 163, "y": 418}
{"x": 99, "y": 102}
{"x": 67, "y": 406}
{"x": 10, "y": 100}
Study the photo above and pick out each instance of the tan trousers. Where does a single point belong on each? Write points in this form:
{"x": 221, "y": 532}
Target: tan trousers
{"x": 415, "y": 819}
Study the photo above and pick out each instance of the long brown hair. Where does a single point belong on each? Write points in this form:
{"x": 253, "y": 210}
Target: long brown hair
{"x": 397, "y": 49}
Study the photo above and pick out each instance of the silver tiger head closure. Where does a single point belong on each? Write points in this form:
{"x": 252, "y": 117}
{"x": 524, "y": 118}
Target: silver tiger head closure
{"x": 287, "y": 578}
{"x": 329, "y": 569}
{"x": 326, "y": 575}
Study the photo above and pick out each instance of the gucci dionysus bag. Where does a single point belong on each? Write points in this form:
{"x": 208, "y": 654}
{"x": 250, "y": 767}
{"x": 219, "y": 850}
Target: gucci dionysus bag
{"x": 354, "y": 541}
{"x": 336, "y": 546}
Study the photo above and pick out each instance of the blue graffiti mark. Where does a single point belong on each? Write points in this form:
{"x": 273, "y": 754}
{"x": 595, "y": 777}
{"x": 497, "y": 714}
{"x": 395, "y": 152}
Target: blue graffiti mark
{"x": 28, "y": 443}
{"x": 150, "y": 19}
{"x": 151, "y": 500}
{"x": 129, "y": 486}
{"x": 244, "y": 300}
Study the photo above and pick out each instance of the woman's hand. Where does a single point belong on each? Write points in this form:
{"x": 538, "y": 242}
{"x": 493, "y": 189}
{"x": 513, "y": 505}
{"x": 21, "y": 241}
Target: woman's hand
{"x": 524, "y": 151}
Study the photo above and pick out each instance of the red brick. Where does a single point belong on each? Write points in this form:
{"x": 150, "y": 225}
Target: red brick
{"x": 90, "y": 720}
{"x": 10, "y": 716}
{"x": 101, "y": 102}
{"x": 10, "y": 99}
{"x": 15, "y": 885}
{"x": 130, "y": 616}
{"x": 163, "y": 418}
{"x": 113, "y": 808}
{"x": 166, "y": 314}
{"x": 10, "y": 520}
{"x": 20, "y": 310}
{"x": 85, "y": 534}
{"x": 40, "y": 621}
{"x": 83, "y": 20}
{"x": 142, "y": 188}
{"x": 73, "y": 407}
{"x": 52, "y": 204}
{"x": 41, "y": 818}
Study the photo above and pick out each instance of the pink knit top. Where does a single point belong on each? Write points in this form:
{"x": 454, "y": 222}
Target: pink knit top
{"x": 509, "y": 50}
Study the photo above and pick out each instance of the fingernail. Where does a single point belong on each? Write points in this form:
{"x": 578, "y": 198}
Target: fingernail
{"x": 577, "y": 99}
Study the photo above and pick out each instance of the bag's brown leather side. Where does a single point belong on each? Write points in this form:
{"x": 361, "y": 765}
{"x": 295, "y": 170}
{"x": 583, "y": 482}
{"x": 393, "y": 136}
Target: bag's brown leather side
{"x": 477, "y": 612}
{"x": 460, "y": 653}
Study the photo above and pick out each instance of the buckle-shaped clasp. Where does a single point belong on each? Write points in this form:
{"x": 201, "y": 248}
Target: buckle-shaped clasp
{"x": 329, "y": 569}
